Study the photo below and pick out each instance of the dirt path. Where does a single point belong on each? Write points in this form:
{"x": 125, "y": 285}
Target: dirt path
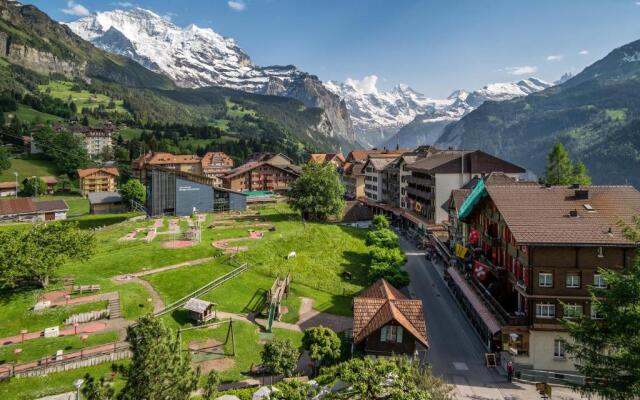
{"x": 308, "y": 317}
{"x": 167, "y": 268}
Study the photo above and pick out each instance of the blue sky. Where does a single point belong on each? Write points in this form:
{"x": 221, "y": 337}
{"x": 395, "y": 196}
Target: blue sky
{"x": 433, "y": 46}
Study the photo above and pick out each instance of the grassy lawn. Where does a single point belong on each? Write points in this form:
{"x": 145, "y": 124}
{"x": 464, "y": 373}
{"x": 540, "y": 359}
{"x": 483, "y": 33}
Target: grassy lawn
{"x": 174, "y": 284}
{"x": 324, "y": 251}
{"x": 45, "y": 347}
{"x": 248, "y": 345}
{"x": 130, "y": 133}
{"x": 15, "y": 308}
{"x": 26, "y": 167}
{"x": 84, "y": 99}
{"x": 28, "y": 114}
{"x": 78, "y": 205}
{"x": 33, "y": 388}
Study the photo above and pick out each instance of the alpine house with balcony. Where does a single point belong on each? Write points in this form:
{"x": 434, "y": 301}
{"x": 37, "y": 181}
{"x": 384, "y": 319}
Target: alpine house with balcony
{"x": 529, "y": 258}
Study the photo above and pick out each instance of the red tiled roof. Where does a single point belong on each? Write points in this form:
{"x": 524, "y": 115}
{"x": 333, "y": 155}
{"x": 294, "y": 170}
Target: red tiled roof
{"x": 540, "y": 215}
{"x": 8, "y": 185}
{"x": 88, "y": 171}
{"x": 381, "y": 304}
{"x": 326, "y": 157}
{"x": 206, "y": 159}
{"x": 23, "y": 205}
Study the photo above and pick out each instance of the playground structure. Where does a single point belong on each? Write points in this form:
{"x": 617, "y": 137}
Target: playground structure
{"x": 211, "y": 351}
{"x": 273, "y": 299}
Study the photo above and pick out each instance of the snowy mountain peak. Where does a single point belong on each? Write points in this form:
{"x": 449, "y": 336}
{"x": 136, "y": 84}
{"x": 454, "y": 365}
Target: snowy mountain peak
{"x": 193, "y": 56}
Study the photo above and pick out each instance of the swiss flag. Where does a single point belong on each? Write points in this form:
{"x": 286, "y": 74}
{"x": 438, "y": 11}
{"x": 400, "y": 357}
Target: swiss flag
{"x": 474, "y": 235}
{"x": 480, "y": 270}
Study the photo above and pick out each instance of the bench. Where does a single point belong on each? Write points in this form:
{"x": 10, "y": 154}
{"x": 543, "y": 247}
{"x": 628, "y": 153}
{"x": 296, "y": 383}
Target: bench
{"x": 85, "y": 288}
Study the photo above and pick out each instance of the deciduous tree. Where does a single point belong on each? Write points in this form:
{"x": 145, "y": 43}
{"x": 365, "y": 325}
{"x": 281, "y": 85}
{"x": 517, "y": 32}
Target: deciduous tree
{"x": 280, "y": 357}
{"x": 386, "y": 378}
{"x": 317, "y": 193}
{"x": 37, "y": 253}
{"x": 211, "y": 384}
{"x": 322, "y": 343}
{"x": 134, "y": 190}
{"x": 5, "y": 162}
{"x": 33, "y": 186}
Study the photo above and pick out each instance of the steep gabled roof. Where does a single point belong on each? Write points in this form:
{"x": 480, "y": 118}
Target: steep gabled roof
{"x": 255, "y": 164}
{"x": 381, "y": 304}
{"x": 89, "y": 171}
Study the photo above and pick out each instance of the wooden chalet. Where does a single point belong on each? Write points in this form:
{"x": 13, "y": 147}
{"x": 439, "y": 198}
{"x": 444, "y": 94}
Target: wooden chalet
{"x": 386, "y": 322}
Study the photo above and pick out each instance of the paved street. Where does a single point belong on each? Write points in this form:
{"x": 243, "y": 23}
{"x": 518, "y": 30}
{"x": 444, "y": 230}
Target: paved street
{"x": 457, "y": 354}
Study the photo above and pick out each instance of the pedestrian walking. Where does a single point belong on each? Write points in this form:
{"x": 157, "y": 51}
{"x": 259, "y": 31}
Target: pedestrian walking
{"x": 509, "y": 371}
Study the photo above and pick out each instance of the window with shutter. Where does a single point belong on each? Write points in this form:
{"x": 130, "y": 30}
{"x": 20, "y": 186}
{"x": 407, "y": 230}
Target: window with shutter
{"x": 384, "y": 333}
{"x": 399, "y": 335}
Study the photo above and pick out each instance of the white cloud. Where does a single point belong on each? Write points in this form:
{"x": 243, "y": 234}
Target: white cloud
{"x": 366, "y": 85}
{"x": 76, "y": 9}
{"x": 123, "y": 4}
{"x": 523, "y": 70}
{"x": 583, "y": 52}
{"x": 638, "y": 3}
{"x": 169, "y": 16}
{"x": 555, "y": 57}
{"x": 237, "y": 5}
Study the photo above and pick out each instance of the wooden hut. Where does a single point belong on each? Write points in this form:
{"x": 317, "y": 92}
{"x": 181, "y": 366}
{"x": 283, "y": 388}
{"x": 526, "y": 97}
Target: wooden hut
{"x": 200, "y": 311}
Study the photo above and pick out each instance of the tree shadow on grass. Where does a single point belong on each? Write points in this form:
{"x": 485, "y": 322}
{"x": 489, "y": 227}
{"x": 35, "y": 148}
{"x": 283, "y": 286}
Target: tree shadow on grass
{"x": 181, "y": 316}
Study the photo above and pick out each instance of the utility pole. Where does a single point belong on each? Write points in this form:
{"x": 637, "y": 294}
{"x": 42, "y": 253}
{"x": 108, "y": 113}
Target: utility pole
{"x": 35, "y": 185}
{"x": 16, "y": 174}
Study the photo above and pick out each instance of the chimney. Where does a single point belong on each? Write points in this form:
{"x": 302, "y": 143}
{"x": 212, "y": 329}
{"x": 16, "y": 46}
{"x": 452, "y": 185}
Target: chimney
{"x": 575, "y": 186}
{"x": 573, "y": 213}
{"x": 582, "y": 194}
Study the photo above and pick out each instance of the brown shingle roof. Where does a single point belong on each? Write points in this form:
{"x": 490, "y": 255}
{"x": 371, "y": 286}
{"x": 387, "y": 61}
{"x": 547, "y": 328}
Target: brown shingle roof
{"x": 88, "y": 171}
{"x": 17, "y": 206}
{"x": 380, "y": 304}
{"x": 380, "y": 162}
{"x": 475, "y": 161}
{"x": 254, "y": 164}
{"x": 51, "y": 205}
{"x": 360, "y": 155}
{"x": 49, "y": 180}
{"x": 540, "y": 215}
{"x": 326, "y": 157}
{"x": 226, "y": 160}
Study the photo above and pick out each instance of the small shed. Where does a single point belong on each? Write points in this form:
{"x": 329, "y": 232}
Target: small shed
{"x": 200, "y": 311}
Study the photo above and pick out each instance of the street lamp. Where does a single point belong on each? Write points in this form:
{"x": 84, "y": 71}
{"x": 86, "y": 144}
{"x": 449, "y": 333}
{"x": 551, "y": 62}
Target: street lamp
{"x": 16, "y": 174}
{"x": 78, "y": 383}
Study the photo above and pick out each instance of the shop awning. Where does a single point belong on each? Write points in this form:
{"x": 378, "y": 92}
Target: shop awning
{"x": 472, "y": 297}
{"x": 472, "y": 199}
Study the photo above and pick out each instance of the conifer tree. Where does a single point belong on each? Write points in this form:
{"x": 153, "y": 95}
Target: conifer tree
{"x": 607, "y": 350}
{"x": 580, "y": 174}
{"x": 159, "y": 369}
{"x": 559, "y": 169}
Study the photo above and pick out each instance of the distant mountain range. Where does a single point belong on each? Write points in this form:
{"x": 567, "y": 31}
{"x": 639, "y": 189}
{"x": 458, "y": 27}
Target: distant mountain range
{"x": 427, "y": 127}
{"x": 196, "y": 57}
{"x": 595, "y": 114}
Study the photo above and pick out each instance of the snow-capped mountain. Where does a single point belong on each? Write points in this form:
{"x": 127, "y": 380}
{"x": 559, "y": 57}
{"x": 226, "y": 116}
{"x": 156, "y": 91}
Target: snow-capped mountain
{"x": 197, "y": 57}
{"x": 377, "y": 115}
{"x": 427, "y": 127}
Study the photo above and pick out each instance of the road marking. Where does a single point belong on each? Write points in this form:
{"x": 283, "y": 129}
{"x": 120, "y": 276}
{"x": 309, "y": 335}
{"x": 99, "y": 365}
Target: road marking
{"x": 460, "y": 366}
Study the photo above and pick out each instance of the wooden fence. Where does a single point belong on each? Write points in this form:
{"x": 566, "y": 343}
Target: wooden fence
{"x": 85, "y": 358}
